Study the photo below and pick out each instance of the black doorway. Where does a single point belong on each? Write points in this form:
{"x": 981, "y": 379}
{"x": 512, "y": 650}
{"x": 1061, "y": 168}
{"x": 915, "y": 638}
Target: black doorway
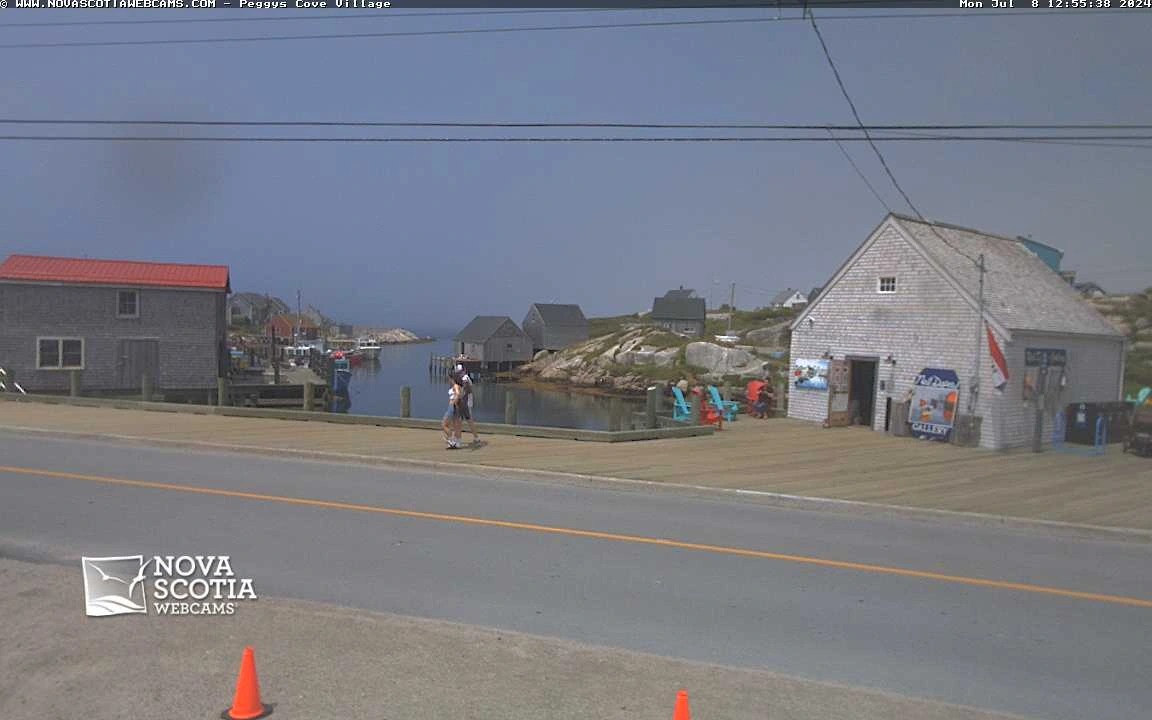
{"x": 862, "y": 395}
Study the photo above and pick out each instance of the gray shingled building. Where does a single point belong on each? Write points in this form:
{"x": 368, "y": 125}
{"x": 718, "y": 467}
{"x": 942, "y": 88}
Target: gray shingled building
{"x": 112, "y": 321}
{"x": 553, "y": 326}
{"x": 907, "y": 300}
{"x": 494, "y": 340}
{"x": 680, "y": 311}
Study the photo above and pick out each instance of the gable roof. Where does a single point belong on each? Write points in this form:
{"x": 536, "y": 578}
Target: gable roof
{"x": 553, "y": 314}
{"x": 783, "y": 295}
{"x": 42, "y": 268}
{"x": 1021, "y": 292}
{"x": 482, "y": 327}
{"x": 681, "y": 293}
{"x": 676, "y": 305}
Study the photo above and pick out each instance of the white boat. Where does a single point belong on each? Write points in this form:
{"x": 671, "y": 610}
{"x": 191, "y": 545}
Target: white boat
{"x": 728, "y": 338}
{"x": 368, "y": 348}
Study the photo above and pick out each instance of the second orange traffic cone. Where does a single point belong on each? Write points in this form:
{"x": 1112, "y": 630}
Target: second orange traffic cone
{"x": 680, "y": 712}
{"x": 246, "y": 703}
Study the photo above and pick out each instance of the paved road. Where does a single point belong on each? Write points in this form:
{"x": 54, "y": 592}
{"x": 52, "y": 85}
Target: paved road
{"x": 500, "y": 553}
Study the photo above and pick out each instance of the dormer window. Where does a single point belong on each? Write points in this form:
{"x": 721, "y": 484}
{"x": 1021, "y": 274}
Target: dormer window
{"x": 886, "y": 285}
{"x": 128, "y": 304}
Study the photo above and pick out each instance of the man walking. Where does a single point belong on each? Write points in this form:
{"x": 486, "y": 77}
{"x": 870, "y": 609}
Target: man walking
{"x": 465, "y": 404}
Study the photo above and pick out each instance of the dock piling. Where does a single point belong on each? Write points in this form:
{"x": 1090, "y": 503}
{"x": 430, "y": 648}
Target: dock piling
{"x": 309, "y": 395}
{"x": 74, "y": 383}
{"x": 653, "y": 402}
{"x": 222, "y": 391}
{"x": 146, "y": 387}
{"x": 615, "y": 414}
{"x": 405, "y": 401}
{"x": 510, "y": 409}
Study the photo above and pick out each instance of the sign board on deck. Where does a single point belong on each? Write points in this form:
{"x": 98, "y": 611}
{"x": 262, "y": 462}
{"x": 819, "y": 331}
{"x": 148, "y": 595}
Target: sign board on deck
{"x": 935, "y": 397}
{"x": 1045, "y": 357}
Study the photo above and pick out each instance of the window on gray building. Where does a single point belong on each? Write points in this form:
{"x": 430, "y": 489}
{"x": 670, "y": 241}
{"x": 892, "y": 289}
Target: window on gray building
{"x": 887, "y": 285}
{"x": 59, "y": 353}
{"x": 128, "y": 304}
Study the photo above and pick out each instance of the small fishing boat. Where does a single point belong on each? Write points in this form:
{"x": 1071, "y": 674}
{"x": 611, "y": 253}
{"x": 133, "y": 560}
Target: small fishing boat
{"x": 368, "y": 348}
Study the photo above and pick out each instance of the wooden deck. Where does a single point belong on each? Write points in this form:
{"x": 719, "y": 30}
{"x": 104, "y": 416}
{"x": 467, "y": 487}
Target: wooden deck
{"x": 772, "y": 455}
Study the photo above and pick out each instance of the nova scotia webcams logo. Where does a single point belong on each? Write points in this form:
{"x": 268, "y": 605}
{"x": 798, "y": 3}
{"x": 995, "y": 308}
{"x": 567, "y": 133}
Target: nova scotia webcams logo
{"x": 180, "y": 585}
{"x": 114, "y": 585}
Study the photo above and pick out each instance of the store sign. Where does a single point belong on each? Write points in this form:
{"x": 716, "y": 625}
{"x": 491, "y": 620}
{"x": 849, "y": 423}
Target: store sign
{"x": 935, "y": 397}
{"x": 1045, "y": 357}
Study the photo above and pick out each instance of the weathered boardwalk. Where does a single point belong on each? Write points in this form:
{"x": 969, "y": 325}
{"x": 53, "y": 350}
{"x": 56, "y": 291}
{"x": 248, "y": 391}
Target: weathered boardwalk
{"x": 771, "y": 455}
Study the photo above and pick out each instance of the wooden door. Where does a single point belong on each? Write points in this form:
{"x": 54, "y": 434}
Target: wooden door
{"x": 839, "y": 387}
{"x": 135, "y": 358}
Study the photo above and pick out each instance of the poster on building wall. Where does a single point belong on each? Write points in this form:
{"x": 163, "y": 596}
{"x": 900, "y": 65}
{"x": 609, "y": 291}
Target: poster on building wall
{"x": 810, "y": 374}
{"x": 935, "y": 397}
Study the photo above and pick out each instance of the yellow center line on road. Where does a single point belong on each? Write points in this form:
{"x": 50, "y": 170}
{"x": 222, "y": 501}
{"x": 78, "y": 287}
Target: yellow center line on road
{"x": 575, "y": 532}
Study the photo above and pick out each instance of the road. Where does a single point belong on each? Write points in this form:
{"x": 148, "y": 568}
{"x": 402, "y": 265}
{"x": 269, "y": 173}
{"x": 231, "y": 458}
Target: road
{"x": 997, "y": 619}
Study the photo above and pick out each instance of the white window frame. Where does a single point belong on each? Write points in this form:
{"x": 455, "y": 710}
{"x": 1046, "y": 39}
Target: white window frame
{"x": 121, "y": 315}
{"x": 880, "y": 285}
{"x": 60, "y": 353}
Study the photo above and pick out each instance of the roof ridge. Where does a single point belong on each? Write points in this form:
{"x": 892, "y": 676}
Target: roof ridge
{"x": 113, "y": 260}
{"x": 962, "y": 228}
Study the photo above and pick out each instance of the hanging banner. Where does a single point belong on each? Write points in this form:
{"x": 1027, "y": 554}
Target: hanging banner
{"x": 935, "y": 397}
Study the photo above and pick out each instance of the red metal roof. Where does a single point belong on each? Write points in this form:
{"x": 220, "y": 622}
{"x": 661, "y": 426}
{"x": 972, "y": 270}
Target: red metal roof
{"x": 39, "y": 268}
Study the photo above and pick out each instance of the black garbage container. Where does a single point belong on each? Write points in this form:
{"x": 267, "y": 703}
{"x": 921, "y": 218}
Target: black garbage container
{"x": 1080, "y": 422}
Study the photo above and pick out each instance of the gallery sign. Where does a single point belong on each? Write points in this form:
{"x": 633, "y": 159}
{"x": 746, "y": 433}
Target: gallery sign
{"x": 1045, "y": 357}
{"x": 935, "y": 397}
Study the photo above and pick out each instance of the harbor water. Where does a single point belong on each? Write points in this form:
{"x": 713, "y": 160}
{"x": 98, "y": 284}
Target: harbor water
{"x": 375, "y": 390}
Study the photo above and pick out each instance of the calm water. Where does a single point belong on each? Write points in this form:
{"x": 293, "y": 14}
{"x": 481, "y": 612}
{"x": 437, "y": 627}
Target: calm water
{"x": 375, "y": 390}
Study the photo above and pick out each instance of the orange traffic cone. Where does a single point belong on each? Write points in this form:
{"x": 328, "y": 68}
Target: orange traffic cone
{"x": 680, "y": 712}
{"x": 246, "y": 703}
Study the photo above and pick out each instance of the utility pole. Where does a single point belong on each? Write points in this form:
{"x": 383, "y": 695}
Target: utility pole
{"x": 299, "y": 320}
{"x": 731, "y": 308}
{"x": 973, "y": 395}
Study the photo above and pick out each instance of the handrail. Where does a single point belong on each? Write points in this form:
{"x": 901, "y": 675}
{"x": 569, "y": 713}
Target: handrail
{"x": 4, "y": 384}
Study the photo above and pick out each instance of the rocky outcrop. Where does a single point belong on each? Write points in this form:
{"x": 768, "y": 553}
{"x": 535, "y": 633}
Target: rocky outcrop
{"x": 397, "y": 335}
{"x": 719, "y": 360}
{"x": 627, "y": 361}
{"x": 773, "y": 336}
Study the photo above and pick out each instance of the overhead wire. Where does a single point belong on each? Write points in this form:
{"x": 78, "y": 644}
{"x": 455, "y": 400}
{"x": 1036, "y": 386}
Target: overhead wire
{"x": 421, "y": 33}
{"x": 908, "y": 128}
{"x": 875, "y": 149}
{"x": 540, "y": 139}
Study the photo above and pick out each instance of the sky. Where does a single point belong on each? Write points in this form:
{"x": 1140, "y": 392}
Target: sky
{"x": 427, "y": 235}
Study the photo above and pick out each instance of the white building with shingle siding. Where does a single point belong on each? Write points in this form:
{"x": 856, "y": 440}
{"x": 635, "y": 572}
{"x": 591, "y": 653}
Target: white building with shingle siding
{"x": 907, "y": 300}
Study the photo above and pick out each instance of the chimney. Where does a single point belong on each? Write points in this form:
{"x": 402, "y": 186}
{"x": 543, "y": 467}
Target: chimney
{"x": 1069, "y": 276}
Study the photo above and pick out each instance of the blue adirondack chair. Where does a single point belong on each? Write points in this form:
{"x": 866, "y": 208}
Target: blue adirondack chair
{"x": 680, "y": 408}
{"x": 1141, "y": 397}
{"x": 728, "y": 408}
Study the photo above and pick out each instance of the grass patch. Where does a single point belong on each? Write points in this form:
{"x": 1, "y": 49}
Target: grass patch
{"x": 610, "y": 325}
{"x": 744, "y": 320}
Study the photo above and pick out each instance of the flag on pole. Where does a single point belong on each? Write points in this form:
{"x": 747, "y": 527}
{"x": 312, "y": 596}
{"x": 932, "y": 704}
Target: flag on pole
{"x": 999, "y": 365}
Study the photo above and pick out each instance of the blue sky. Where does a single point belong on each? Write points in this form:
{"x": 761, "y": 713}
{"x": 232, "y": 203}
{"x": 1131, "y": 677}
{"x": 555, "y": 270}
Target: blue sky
{"x": 425, "y": 236}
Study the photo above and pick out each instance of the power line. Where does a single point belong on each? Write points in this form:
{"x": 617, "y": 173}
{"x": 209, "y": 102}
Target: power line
{"x": 364, "y": 16}
{"x": 617, "y": 125}
{"x": 883, "y": 162}
{"x": 601, "y": 139}
{"x": 427, "y": 33}
{"x": 860, "y": 173}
